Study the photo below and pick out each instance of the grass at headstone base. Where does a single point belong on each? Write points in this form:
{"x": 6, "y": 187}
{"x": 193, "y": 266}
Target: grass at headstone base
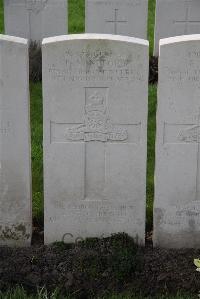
{"x": 20, "y": 293}
{"x": 37, "y": 150}
{"x": 151, "y": 154}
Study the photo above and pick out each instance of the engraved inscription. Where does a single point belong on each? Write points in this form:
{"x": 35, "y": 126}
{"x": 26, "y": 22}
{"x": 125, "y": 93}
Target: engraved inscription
{"x": 98, "y": 65}
{"x": 185, "y": 218}
{"x": 5, "y": 127}
{"x": 97, "y": 126}
{"x": 101, "y": 211}
{"x": 69, "y": 238}
{"x": 184, "y": 75}
{"x": 3, "y": 183}
{"x": 190, "y": 135}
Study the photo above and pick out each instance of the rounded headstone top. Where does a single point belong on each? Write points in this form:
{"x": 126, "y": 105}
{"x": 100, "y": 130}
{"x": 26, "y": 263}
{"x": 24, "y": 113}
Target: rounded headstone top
{"x": 94, "y": 36}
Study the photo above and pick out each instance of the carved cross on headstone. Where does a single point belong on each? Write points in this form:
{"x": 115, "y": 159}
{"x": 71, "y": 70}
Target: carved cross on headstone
{"x": 97, "y": 132}
{"x": 35, "y": 6}
{"x": 186, "y": 133}
{"x": 187, "y": 21}
{"x": 116, "y": 22}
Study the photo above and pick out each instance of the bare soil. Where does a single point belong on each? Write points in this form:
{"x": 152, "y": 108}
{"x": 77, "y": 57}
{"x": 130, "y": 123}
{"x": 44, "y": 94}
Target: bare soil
{"x": 97, "y": 267}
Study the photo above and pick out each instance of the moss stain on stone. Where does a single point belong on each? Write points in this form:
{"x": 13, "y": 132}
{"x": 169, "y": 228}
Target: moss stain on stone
{"x": 14, "y": 232}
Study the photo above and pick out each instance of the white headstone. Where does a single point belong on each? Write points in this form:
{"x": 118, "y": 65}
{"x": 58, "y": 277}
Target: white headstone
{"x": 123, "y": 17}
{"x": 176, "y": 17}
{"x": 35, "y": 19}
{"x": 95, "y": 123}
{"x": 177, "y": 189}
{"x": 15, "y": 166}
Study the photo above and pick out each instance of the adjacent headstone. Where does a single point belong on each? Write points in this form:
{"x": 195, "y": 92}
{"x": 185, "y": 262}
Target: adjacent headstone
{"x": 176, "y": 17}
{"x": 122, "y": 17}
{"x": 95, "y": 125}
{"x": 15, "y": 166}
{"x": 177, "y": 189}
{"x": 35, "y": 19}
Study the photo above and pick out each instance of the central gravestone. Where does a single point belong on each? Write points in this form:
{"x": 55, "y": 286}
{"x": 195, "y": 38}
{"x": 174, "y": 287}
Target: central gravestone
{"x": 122, "y": 17}
{"x": 35, "y": 19}
{"x": 95, "y": 117}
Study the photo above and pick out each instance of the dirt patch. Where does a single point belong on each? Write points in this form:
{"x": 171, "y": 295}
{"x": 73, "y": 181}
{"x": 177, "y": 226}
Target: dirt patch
{"x": 168, "y": 272}
{"x": 153, "y": 70}
{"x": 35, "y": 62}
{"x": 95, "y": 267}
{"x": 84, "y": 269}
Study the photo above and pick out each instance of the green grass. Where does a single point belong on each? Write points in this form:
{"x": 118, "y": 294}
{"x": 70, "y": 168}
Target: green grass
{"x": 141, "y": 297}
{"x": 151, "y": 19}
{"x": 157, "y": 297}
{"x": 76, "y": 25}
{"x": 37, "y": 150}
{"x": 19, "y": 293}
{"x": 76, "y": 13}
{"x": 151, "y": 154}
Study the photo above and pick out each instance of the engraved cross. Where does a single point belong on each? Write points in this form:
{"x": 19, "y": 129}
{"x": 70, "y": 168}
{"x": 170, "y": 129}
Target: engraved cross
{"x": 99, "y": 135}
{"x": 186, "y": 22}
{"x": 34, "y": 7}
{"x": 186, "y": 133}
{"x": 116, "y": 21}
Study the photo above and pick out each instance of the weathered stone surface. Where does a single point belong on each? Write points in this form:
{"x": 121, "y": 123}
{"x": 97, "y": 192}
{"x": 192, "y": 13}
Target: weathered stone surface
{"x": 176, "y": 17}
{"x": 15, "y": 166}
{"x": 177, "y": 188}
{"x": 35, "y": 19}
{"x": 122, "y": 17}
{"x": 95, "y": 122}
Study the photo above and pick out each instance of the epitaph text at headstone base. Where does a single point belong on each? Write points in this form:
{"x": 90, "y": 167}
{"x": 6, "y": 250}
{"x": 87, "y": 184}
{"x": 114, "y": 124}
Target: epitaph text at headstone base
{"x": 35, "y": 19}
{"x": 174, "y": 18}
{"x": 122, "y": 17}
{"x": 15, "y": 166}
{"x": 177, "y": 188}
{"x": 95, "y": 115}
